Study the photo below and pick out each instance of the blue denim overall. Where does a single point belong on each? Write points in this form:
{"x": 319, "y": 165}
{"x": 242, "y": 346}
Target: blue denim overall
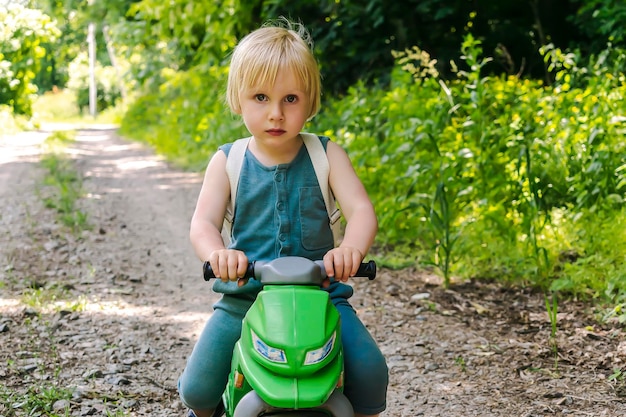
{"x": 280, "y": 212}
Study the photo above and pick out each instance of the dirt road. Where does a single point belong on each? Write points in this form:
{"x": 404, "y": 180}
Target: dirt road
{"x": 129, "y": 303}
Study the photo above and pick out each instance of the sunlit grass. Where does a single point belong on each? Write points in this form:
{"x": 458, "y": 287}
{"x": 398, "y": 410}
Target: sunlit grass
{"x": 58, "y": 141}
{"x": 53, "y": 299}
{"x": 60, "y": 106}
{"x": 56, "y": 106}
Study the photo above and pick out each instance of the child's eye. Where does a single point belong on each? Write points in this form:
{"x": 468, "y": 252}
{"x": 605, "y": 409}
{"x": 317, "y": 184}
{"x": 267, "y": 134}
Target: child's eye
{"x": 260, "y": 97}
{"x": 291, "y": 98}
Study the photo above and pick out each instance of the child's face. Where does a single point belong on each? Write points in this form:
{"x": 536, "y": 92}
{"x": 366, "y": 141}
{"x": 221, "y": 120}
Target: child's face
{"x": 276, "y": 111}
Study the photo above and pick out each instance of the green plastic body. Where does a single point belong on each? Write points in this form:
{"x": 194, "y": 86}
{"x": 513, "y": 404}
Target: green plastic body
{"x": 295, "y": 319}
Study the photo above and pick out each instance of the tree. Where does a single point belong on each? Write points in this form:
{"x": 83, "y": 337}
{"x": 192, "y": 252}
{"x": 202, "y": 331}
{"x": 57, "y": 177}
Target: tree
{"x": 23, "y": 35}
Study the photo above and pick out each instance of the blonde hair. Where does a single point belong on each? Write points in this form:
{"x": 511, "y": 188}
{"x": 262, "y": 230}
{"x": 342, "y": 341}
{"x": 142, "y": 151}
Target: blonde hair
{"x": 259, "y": 56}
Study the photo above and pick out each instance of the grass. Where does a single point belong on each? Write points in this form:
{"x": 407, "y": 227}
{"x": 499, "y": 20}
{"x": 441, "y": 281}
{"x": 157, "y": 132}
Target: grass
{"x": 56, "y": 106}
{"x": 53, "y": 298}
{"x": 62, "y": 183}
{"x": 37, "y": 400}
{"x": 61, "y": 106}
{"x": 10, "y": 123}
{"x": 460, "y": 362}
{"x": 617, "y": 375}
{"x": 618, "y": 312}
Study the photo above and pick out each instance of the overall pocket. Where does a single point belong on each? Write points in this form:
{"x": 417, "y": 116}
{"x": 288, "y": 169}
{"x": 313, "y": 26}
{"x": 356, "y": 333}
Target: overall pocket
{"x": 316, "y": 232}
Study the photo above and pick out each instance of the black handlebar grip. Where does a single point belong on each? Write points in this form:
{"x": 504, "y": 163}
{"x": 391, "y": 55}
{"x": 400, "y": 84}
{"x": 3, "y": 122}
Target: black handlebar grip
{"x": 367, "y": 270}
{"x": 208, "y": 271}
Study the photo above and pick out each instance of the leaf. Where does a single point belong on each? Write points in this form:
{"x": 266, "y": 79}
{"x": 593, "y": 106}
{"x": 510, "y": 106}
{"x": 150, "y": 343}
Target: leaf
{"x": 479, "y": 308}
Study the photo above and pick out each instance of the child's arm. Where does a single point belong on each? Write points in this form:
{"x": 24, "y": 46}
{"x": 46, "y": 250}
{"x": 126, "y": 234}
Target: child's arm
{"x": 361, "y": 226}
{"x": 208, "y": 219}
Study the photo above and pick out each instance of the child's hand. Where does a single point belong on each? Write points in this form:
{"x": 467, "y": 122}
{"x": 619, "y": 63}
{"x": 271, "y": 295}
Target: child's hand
{"x": 229, "y": 265}
{"x": 342, "y": 263}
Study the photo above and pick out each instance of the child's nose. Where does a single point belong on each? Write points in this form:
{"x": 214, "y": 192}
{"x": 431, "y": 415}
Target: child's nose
{"x": 276, "y": 112}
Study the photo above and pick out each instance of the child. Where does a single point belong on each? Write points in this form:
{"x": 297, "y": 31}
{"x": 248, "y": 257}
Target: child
{"x": 274, "y": 84}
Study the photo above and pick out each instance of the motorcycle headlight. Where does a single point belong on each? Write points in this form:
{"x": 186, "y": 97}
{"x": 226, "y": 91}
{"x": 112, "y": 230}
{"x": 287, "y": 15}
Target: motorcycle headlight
{"x": 318, "y": 355}
{"x": 268, "y": 352}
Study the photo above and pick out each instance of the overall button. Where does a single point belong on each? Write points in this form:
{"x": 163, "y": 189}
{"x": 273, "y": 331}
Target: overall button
{"x": 282, "y": 237}
{"x": 280, "y": 206}
{"x": 278, "y": 177}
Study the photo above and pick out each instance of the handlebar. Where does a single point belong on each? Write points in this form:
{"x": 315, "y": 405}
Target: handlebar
{"x": 208, "y": 271}
{"x": 296, "y": 271}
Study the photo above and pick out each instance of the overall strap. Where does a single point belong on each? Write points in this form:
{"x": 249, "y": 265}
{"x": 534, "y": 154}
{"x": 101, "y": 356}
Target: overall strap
{"x": 318, "y": 156}
{"x": 234, "y": 162}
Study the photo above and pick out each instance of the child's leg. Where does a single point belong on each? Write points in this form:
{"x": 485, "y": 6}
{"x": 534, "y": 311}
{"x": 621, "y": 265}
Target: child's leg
{"x": 204, "y": 379}
{"x": 366, "y": 372}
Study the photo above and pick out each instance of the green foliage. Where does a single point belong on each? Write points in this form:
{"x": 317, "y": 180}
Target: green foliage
{"x": 510, "y": 154}
{"x": 198, "y": 32}
{"x": 37, "y": 400}
{"x": 23, "y": 36}
{"x": 186, "y": 118}
{"x": 63, "y": 184}
{"x": 595, "y": 244}
{"x": 56, "y": 106}
{"x": 617, "y": 375}
{"x": 11, "y": 123}
{"x": 616, "y": 312}
{"x": 108, "y": 91}
{"x": 73, "y": 17}
{"x": 61, "y": 106}
{"x": 602, "y": 19}
{"x": 460, "y": 362}
{"x": 52, "y": 298}
{"x": 354, "y": 39}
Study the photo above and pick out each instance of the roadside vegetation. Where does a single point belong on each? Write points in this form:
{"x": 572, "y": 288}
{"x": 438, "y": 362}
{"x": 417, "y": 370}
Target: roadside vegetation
{"x": 62, "y": 184}
{"x": 490, "y": 177}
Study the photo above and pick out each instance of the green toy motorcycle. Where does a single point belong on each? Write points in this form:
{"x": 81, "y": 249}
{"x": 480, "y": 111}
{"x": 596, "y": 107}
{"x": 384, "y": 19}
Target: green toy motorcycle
{"x": 289, "y": 358}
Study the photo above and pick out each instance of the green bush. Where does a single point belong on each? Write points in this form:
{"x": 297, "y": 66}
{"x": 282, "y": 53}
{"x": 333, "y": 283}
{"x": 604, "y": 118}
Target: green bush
{"x": 491, "y": 177}
{"x": 467, "y": 174}
{"x": 107, "y": 88}
{"x": 601, "y": 20}
{"x": 8, "y": 123}
{"x": 186, "y": 118}
{"x": 23, "y": 34}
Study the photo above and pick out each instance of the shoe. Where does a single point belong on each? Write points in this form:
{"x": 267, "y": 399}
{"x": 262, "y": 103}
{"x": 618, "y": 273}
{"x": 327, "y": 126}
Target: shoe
{"x": 219, "y": 411}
